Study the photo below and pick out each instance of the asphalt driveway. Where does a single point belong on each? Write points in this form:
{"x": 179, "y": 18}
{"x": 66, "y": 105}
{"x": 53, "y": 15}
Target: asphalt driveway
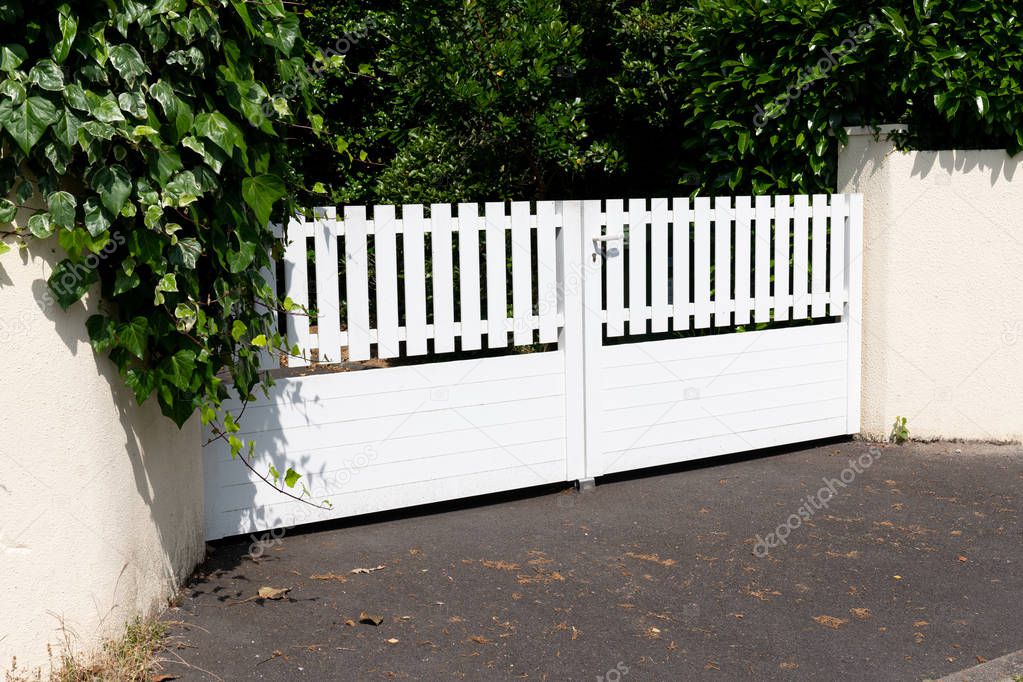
{"x": 910, "y": 568}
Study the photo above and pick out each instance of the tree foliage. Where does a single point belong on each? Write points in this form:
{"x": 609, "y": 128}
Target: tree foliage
{"x": 534, "y": 98}
{"x": 149, "y": 138}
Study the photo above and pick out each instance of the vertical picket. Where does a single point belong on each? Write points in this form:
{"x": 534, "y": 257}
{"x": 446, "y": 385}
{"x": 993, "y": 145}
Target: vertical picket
{"x": 722, "y": 261}
{"x": 443, "y": 279}
{"x": 743, "y": 221}
{"x": 522, "y": 273}
{"x": 637, "y": 266}
{"x": 415, "y": 278}
{"x": 681, "y": 217}
{"x": 497, "y": 275}
{"x": 546, "y": 271}
{"x": 837, "y": 294}
{"x": 469, "y": 275}
{"x": 296, "y": 287}
{"x": 819, "y": 250}
{"x": 357, "y": 282}
{"x": 701, "y": 263}
{"x": 782, "y": 229}
{"x": 853, "y": 313}
{"x": 762, "y": 260}
{"x": 615, "y": 265}
{"x": 328, "y": 314}
{"x": 659, "y": 265}
{"x": 386, "y": 261}
{"x": 800, "y": 257}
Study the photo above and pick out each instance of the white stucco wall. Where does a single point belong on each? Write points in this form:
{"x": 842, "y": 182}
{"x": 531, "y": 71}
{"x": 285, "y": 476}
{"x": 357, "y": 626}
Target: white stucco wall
{"x": 100, "y": 501}
{"x": 942, "y": 288}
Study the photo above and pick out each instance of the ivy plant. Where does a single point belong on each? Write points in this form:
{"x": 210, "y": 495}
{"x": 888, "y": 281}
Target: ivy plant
{"x": 147, "y": 139}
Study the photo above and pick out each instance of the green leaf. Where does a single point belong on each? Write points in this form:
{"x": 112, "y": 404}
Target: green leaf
{"x": 62, "y": 208}
{"x": 11, "y": 56}
{"x": 179, "y": 368}
{"x": 133, "y": 336}
{"x": 259, "y": 341}
{"x": 238, "y": 330}
{"x": 291, "y": 477}
{"x": 238, "y": 260}
{"x": 8, "y": 211}
{"x": 261, "y": 193}
{"x": 27, "y": 123}
{"x": 96, "y": 221}
{"x": 70, "y": 281}
{"x": 128, "y": 62}
{"x": 67, "y": 22}
{"x": 47, "y": 75}
{"x": 39, "y": 225}
{"x": 114, "y": 186}
{"x": 896, "y": 21}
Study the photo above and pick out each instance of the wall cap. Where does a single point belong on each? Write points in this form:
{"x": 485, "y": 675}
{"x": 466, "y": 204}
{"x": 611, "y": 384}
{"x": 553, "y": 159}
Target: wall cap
{"x": 888, "y": 129}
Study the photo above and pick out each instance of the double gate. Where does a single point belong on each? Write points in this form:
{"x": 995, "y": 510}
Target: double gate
{"x": 484, "y": 349}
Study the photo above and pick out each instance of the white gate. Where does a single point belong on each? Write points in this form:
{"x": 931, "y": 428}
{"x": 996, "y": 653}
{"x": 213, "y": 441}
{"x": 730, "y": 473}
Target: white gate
{"x": 641, "y": 321}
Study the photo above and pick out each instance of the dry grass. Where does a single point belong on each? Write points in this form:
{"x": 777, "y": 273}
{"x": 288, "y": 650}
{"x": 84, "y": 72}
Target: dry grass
{"x": 131, "y": 658}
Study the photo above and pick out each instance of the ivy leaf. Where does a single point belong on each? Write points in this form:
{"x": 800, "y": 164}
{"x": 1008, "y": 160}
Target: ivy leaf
{"x": 67, "y": 22}
{"x": 238, "y": 330}
{"x": 27, "y": 123}
{"x": 114, "y": 186}
{"x": 238, "y": 260}
{"x": 47, "y": 75}
{"x": 261, "y": 193}
{"x": 39, "y": 225}
{"x": 133, "y": 336}
{"x": 96, "y": 222}
{"x": 179, "y": 368}
{"x": 8, "y": 211}
{"x": 11, "y": 56}
{"x": 128, "y": 62}
{"x": 291, "y": 477}
{"x": 62, "y": 208}
{"x": 69, "y": 282}
{"x": 186, "y": 253}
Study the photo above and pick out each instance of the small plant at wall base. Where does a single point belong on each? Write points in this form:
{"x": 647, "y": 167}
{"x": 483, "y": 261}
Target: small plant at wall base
{"x": 900, "y": 431}
{"x": 135, "y": 135}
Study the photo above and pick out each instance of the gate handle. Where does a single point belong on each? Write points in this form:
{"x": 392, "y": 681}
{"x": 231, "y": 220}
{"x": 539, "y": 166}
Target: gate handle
{"x": 603, "y": 240}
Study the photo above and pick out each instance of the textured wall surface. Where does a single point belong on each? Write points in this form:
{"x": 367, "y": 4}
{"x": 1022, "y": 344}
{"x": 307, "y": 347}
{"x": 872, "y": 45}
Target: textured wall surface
{"x": 100, "y": 500}
{"x": 942, "y": 288}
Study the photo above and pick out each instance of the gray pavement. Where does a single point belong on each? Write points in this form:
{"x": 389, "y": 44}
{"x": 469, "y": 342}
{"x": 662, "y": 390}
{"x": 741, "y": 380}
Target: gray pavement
{"x": 910, "y": 568}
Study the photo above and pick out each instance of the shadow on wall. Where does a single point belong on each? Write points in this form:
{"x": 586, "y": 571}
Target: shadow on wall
{"x": 106, "y": 512}
{"x": 999, "y": 166}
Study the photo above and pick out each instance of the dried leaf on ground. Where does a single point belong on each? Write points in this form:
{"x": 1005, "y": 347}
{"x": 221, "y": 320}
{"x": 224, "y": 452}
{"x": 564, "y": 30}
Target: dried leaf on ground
{"x": 368, "y": 570}
{"x": 329, "y": 576}
{"x": 370, "y": 618}
{"x": 273, "y": 592}
{"x": 861, "y": 614}
{"x": 830, "y": 621}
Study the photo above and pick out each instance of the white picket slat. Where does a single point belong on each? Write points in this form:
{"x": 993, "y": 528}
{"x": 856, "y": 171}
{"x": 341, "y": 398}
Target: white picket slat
{"x": 819, "y": 256}
{"x": 357, "y": 282}
{"x": 614, "y": 266}
{"x": 386, "y": 275}
{"x": 547, "y": 271}
{"x": 469, "y": 275}
{"x": 415, "y": 278}
{"x": 782, "y": 230}
{"x": 743, "y": 221}
{"x": 722, "y": 261}
{"x": 836, "y": 239}
{"x": 497, "y": 275}
{"x": 701, "y": 263}
{"x": 800, "y": 257}
{"x": 269, "y": 357}
{"x": 522, "y": 272}
{"x": 328, "y": 314}
{"x": 682, "y": 217}
{"x": 443, "y": 279}
{"x": 762, "y": 260}
{"x": 637, "y": 266}
{"x": 659, "y": 312}
{"x": 296, "y": 287}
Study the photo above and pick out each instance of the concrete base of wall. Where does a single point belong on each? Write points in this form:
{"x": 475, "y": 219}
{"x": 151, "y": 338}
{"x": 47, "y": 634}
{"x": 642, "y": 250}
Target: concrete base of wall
{"x": 942, "y": 289}
{"x": 100, "y": 500}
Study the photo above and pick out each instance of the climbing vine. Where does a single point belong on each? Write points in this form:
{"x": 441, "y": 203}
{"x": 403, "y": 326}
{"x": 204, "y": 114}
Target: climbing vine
{"x": 144, "y": 138}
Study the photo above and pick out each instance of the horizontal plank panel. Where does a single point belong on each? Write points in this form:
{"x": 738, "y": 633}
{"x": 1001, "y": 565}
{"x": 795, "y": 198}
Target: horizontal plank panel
{"x": 711, "y": 424}
{"x": 712, "y": 446}
{"x": 287, "y": 513}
